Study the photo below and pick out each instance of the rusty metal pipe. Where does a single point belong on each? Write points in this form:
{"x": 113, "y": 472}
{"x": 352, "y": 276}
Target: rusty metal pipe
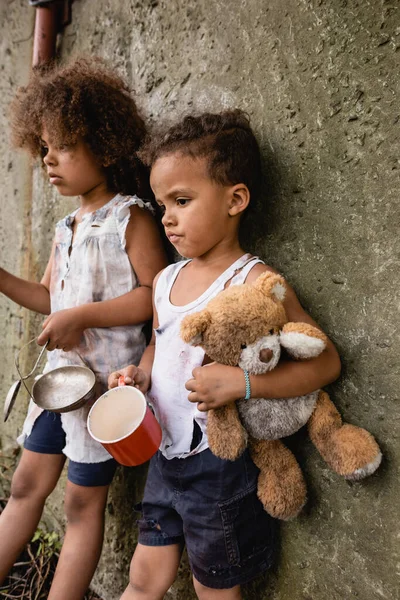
{"x": 46, "y": 26}
{"x": 51, "y": 17}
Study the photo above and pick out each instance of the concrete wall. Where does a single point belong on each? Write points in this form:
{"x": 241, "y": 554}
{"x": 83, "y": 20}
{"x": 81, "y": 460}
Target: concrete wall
{"x": 320, "y": 81}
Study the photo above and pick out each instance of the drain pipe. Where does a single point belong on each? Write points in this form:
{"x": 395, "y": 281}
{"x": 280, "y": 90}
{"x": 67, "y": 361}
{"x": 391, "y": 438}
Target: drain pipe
{"x": 51, "y": 17}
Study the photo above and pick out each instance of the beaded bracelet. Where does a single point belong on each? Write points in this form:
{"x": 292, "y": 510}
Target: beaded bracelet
{"x": 248, "y": 388}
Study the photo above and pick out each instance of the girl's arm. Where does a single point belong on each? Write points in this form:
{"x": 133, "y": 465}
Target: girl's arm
{"x": 139, "y": 376}
{"x": 215, "y": 385}
{"x": 144, "y": 247}
{"x": 30, "y": 294}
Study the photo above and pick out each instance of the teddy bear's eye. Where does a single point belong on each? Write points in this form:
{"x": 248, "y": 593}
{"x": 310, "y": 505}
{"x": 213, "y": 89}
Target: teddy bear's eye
{"x": 271, "y": 332}
{"x": 243, "y": 346}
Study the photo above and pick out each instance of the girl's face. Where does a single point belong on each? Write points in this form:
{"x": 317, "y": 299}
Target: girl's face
{"x": 73, "y": 170}
{"x": 197, "y": 211}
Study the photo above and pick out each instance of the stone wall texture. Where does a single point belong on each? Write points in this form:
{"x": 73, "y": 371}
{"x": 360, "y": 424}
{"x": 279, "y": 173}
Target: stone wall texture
{"x": 320, "y": 79}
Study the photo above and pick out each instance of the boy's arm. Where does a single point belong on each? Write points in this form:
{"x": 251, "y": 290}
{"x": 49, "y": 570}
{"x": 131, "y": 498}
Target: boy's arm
{"x": 295, "y": 378}
{"x": 29, "y": 294}
{"x": 146, "y": 254}
{"x": 140, "y": 375}
{"x": 215, "y": 385}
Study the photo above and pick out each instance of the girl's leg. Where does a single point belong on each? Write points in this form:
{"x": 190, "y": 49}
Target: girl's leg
{"x": 84, "y": 509}
{"x": 34, "y": 479}
{"x": 153, "y": 571}
{"x": 206, "y": 593}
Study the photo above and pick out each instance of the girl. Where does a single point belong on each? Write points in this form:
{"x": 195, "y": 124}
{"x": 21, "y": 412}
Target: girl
{"x": 204, "y": 173}
{"x": 96, "y": 290}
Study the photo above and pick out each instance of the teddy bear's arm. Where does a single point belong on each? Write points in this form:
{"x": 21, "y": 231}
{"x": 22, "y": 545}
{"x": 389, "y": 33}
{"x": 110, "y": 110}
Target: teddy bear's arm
{"x": 302, "y": 340}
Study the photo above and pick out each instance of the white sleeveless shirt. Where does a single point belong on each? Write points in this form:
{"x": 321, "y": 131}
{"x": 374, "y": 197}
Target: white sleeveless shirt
{"x": 92, "y": 267}
{"x": 175, "y": 360}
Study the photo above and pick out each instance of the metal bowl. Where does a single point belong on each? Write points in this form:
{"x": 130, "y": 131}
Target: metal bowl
{"x": 64, "y": 389}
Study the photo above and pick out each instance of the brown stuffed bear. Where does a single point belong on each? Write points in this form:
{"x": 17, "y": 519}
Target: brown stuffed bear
{"x": 246, "y": 325}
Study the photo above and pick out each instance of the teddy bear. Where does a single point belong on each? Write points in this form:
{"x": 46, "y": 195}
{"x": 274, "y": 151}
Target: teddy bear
{"x": 247, "y": 326}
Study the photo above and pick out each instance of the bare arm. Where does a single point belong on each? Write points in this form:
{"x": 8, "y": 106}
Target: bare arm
{"x": 146, "y": 254}
{"x": 295, "y": 378}
{"x": 30, "y": 294}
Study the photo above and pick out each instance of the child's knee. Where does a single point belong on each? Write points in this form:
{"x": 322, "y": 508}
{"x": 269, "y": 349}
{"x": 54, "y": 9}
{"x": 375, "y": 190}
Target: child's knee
{"x": 153, "y": 570}
{"x": 28, "y": 484}
{"x": 22, "y": 487}
{"x": 83, "y": 504}
{"x": 145, "y": 582}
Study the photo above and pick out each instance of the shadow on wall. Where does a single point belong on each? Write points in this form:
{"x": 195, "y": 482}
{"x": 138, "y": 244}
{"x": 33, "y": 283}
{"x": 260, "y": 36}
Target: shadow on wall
{"x": 263, "y": 216}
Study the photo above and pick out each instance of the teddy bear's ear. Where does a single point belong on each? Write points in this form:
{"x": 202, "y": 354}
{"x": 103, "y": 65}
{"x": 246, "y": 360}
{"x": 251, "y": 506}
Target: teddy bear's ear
{"x": 271, "y": 284}
{"x": 193, "y": 326}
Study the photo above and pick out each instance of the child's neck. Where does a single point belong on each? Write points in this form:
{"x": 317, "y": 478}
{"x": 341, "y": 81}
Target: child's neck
{"x": 94, "y": 199}
{"x": 201, "y": 272}
{"x": 219, "y": 258}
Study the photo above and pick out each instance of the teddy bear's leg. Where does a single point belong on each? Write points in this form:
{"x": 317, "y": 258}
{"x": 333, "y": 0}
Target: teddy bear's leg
{"x": 227, "y": 438}
{"x": 281, "y": 486}
{"x": 349, "y": 451}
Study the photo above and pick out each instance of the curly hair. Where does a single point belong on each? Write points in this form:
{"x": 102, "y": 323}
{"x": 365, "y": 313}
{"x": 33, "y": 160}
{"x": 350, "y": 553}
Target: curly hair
{"x": 225, "y": 139}
{"x": 86, "y": 100}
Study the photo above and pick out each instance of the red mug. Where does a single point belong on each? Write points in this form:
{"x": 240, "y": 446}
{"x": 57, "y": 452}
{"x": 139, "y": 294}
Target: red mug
{"x": 124, "y": 424}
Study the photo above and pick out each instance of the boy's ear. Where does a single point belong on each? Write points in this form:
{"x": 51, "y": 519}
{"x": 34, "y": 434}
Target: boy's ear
{"x": 240, "y": 198}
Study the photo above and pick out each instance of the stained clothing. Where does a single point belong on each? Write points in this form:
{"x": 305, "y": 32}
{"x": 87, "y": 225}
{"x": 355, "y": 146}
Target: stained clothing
{"x": 175, "y": 360}
{"x": 92, "y": 266}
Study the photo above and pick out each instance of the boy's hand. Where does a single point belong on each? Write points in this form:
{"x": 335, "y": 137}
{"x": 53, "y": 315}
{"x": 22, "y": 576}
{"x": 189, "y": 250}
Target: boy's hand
{"x": 215, "y": 385}
{"x": 63, "y": 329}
{"x": 132, "y": 376}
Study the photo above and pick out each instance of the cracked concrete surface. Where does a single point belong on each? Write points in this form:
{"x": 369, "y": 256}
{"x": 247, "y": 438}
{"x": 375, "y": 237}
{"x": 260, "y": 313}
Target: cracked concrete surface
{"x": 320, "y": 81}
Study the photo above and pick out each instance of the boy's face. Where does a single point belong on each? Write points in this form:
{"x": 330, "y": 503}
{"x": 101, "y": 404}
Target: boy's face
{"x": 73, "y": 170}
{"x": 197, "y": 211}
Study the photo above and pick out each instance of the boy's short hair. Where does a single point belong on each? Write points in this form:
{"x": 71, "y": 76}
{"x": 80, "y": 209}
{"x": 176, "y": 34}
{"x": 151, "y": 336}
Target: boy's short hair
{"x": 84, "y": 99}
{"x": 225, "y": 139}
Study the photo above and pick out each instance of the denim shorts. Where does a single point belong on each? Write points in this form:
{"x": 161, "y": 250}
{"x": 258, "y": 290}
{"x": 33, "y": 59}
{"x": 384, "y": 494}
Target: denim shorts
{"x": 211, "y": 505}
{"x": 48, "y": 437}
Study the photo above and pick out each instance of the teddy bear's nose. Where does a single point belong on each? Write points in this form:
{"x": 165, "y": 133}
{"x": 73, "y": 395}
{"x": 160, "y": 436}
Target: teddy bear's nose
{"x": 266, "y": 354}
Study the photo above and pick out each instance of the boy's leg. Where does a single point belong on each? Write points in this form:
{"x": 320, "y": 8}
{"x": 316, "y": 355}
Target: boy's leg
{"x": 206, "y": 593}
{"x": 153, "y": 571}
{"x": 34, "y": 479}
{"x": 157, "y": 555}
{"x": 83, "y": 540}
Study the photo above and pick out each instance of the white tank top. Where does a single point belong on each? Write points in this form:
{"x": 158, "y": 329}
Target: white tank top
{"x": 175, "y": 360}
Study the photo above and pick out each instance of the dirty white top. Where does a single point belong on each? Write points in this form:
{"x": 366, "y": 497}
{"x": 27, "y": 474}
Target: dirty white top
{"x": 175, "y": 360}
{"x": 92, "y": 268}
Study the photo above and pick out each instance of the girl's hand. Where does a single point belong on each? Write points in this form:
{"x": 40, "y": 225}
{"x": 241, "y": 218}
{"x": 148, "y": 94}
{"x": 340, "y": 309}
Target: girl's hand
{"x": 63, "y": 329}
{"x": 215, "y": 385}
{"x": 132, "y": 376}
